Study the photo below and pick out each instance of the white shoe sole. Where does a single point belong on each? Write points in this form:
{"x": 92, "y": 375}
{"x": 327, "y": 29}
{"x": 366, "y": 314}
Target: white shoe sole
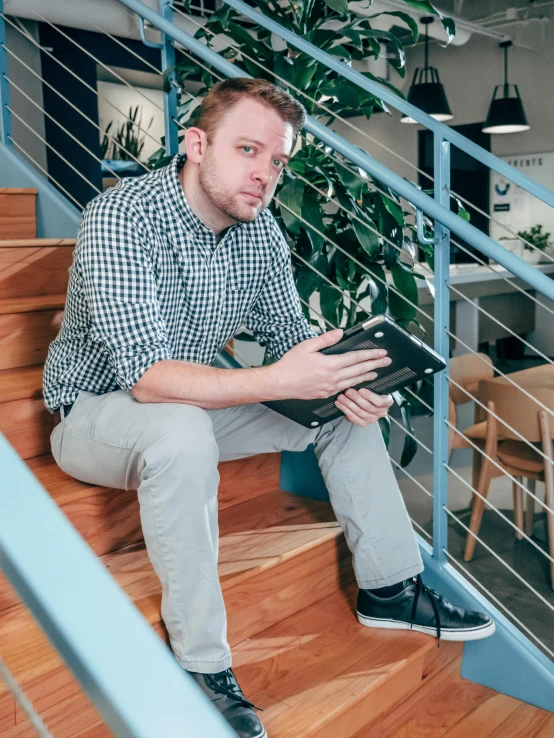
{"x": 462, "y": 634}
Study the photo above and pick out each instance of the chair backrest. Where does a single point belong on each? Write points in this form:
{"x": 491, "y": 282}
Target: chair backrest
{"x": 516, "y": 408}
{"x": 467, "y": 370}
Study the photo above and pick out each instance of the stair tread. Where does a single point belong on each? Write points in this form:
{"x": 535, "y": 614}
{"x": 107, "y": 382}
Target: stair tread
{"x": 21, "y": 383}
{"x": 318, "y": 663}
{"x": 11, "y": 243}
{"x": 30, "y": 304}
{"x": 18, "y": 191}
{"x": 261, "y": 533}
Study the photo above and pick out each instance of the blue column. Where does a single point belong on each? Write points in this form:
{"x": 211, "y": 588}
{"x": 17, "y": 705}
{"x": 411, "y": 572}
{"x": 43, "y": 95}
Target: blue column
{"x": 442, "y": 343}
{"x": 170, "y": 96}
{"x": 5, "y": 116}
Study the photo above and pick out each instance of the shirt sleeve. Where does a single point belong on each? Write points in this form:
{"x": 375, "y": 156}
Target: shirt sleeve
{"x": 276, "y": 317}
{"x": 120, "y": 288}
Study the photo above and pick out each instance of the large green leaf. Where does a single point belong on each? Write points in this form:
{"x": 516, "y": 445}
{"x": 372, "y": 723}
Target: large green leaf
{"x": 368, "y": 238}
{"x": 339, "y": 6}
{"x": 291, "y": 197}
{"x": 427, "y": 7}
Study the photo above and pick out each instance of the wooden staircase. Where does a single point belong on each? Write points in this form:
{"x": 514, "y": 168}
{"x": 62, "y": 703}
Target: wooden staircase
{"x": 298, "y": 650}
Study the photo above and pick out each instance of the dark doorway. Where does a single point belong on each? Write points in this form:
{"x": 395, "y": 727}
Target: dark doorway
{"x": 470, "y": 178}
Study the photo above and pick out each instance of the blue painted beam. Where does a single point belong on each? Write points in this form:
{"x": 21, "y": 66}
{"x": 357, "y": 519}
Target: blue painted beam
{"x": 441, "y": 150}
{"x": 56, "y": 216}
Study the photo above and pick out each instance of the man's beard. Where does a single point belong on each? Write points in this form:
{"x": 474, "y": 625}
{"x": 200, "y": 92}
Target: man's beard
{"x": 226, "y": 202}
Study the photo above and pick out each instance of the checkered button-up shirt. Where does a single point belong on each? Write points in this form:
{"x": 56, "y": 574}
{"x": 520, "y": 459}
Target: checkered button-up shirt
{"x": 149, "y": 282}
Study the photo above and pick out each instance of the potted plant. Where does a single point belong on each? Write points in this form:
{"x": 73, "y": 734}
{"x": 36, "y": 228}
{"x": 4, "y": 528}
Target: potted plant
{"x": 123, "y": 148}
{"x": 537, "y": 239}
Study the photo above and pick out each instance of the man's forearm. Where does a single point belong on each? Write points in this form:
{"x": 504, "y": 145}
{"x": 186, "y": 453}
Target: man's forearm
{"x": 206, "y": 386}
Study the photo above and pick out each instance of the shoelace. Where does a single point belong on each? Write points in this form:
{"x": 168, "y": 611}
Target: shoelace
{"x": 225, "y": 683}
{"x": 433, "y": 597}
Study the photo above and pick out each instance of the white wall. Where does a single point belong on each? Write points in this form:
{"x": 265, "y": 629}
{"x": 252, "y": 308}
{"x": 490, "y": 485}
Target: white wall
{"x": 150, "y": 101}
{"x": 24, "y": 49}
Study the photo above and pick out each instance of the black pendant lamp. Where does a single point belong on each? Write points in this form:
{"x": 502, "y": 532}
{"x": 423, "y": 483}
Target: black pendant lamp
{"x": 506, "y": 114}
{"x": 426, "y": 91}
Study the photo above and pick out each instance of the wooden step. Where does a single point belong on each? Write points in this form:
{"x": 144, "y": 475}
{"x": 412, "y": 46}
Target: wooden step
{"x": 24, "y": 419}
{"x": 18, "y": 213}
{"x": 448, "y": 706}
{"x": 278, "y": 553}
{"x": 34, "y": 243}
{"x": 27, "y": 327}
{"x": 29, "y": 268}
{"x": 30, "y": 304}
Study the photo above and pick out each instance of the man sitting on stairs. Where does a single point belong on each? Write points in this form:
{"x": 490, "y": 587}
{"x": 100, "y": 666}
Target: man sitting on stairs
{"x": 166, "y": 268}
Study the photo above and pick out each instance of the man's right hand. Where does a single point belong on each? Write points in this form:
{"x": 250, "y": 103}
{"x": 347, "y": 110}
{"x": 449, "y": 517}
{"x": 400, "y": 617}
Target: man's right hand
{"x": 304, "y": 373}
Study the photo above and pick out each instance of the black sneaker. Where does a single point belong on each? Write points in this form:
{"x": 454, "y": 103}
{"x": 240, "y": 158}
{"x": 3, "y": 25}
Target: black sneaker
{"x": 430, "y": 614}
{"x": 223, "y": 690}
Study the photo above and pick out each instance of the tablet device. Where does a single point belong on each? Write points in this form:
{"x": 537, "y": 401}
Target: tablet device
{"x": 411, "y": 360}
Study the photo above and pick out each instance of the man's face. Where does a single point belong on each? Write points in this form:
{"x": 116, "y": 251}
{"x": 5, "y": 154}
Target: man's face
{"x": 244, "y": 158}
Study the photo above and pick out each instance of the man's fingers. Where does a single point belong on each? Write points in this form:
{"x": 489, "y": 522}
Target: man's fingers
{"x": 367, "y": 366}
{"x": 354, "y": 358}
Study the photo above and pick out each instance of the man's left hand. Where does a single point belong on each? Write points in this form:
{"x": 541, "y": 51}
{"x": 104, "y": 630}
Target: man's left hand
{"x": 363, "y": 407}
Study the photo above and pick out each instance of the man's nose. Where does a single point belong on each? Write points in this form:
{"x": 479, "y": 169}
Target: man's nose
{"x": 262, "y": 173}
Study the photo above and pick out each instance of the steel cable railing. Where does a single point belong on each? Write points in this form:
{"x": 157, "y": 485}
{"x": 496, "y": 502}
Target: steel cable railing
{"x": 496, "y": 273}
{"x": 64, "y": 129}
{"x": 44, "y": 141}
{"x": 494, "y": 599}
{"x": 45, "y": 172}
{"x": 78, "y": 110}
{"x": 501, "y": 225}
{"x": 82, "y": 81}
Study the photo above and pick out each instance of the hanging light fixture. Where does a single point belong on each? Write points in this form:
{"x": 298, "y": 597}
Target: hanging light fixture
{"x": 426, "y": 91}
{"x": 506, "y": 114}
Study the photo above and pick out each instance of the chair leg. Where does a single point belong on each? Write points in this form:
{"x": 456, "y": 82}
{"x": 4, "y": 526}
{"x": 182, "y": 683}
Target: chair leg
{"x": 518, "y": 507}
{"x": 475, "y": 472}
{"x": 530, "y": 508}
{"x": 478, "y": 508}
{"x": 549, "y": 500}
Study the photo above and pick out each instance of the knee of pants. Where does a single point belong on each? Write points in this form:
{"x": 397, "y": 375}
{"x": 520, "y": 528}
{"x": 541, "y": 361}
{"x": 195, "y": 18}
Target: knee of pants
{"x": 184, "y": 438}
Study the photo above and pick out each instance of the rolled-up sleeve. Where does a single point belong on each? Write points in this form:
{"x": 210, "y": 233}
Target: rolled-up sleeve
{"x": 276, "y": 317}
{"x": 120, "y": 288}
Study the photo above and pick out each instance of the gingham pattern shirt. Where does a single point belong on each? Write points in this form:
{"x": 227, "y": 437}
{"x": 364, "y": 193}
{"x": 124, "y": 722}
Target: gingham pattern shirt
{"x": 148, "y": 282}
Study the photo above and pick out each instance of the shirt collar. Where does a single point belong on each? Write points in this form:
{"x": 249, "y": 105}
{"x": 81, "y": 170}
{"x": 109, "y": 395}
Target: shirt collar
{"x": 177, "y": 198}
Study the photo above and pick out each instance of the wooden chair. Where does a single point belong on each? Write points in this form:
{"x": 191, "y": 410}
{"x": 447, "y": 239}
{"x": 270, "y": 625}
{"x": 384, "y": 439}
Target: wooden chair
{"x": 467, "y": 371}
{"x": 513, "y": 455}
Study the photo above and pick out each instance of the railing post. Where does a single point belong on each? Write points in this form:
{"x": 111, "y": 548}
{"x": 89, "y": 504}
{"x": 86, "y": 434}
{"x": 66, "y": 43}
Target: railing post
{"x": 5, "y": 116}
{"x": 442, "y": 344}
{"x": 170, "y": 97}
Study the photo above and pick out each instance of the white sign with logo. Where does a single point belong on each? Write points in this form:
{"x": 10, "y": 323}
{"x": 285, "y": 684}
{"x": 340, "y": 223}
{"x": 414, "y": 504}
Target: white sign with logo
{"x": 515, "y": 208}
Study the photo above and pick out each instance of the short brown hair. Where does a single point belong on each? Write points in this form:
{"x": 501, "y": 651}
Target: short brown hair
{"x": 223, "y": 95}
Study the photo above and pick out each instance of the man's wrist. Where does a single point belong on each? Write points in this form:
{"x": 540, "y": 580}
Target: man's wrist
{"x": 272, "y": 385}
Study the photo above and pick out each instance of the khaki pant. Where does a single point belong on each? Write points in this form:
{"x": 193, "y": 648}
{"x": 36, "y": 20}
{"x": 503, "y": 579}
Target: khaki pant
{"x": 169, "y": 452}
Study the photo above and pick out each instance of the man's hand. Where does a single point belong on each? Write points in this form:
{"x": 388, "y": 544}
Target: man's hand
{"x": 362, "y": 407}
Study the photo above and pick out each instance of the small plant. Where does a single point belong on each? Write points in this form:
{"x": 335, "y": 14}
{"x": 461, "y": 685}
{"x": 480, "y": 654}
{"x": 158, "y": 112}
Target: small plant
{"x": 126, "y": 144}
{"x": 534, "y": 237}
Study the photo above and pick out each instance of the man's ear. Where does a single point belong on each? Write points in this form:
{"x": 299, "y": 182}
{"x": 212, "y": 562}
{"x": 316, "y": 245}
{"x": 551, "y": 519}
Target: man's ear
{"x": 196, "y": 142}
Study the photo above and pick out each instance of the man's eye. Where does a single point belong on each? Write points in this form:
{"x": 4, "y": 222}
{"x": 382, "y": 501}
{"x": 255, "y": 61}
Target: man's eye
{"x": 244, "y": 148}
{"x": 278, "y": 163}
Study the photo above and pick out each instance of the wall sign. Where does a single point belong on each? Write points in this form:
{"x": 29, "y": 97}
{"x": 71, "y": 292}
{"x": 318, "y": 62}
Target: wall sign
{"x": 515, "y": 208}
